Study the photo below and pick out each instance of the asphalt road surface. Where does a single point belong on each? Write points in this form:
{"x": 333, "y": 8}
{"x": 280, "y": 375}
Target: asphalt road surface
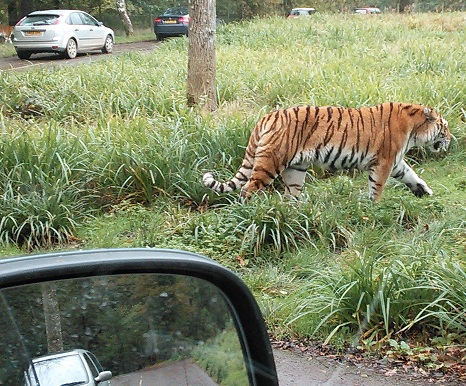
{"x": 40, "y": 60}
{"x": 184, "y": 373}
{"x": 294, "y": 369}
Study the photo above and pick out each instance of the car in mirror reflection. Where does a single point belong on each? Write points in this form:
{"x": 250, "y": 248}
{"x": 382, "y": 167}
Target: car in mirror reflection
{"x": 150, "y": 315}
{"x": 75, "y": 367}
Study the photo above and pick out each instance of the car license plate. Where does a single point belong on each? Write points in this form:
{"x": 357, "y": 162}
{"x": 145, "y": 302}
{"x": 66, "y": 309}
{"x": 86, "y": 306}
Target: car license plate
{"x": 33, "y": 33}
{"x": 170, "y": 21}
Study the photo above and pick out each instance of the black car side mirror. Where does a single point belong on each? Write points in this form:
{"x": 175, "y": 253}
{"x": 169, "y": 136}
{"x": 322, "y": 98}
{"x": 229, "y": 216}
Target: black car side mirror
{"x": 142, "y": 312}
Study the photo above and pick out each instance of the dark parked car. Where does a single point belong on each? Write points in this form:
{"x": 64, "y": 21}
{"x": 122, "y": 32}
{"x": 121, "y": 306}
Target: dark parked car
{"x": 173, "y": 22}
{"x": 76, "y": 367}
{"x": 66, "y": 32}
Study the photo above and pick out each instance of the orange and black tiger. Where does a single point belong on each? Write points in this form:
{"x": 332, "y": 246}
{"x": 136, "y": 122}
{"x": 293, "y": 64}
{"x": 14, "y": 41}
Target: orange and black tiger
{"x": 375, "y": 139}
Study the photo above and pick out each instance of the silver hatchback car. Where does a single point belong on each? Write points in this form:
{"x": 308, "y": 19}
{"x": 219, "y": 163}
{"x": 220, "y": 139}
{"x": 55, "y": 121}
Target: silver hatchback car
{"x": 76, "y": 367}
{"x": 66, "y": 32}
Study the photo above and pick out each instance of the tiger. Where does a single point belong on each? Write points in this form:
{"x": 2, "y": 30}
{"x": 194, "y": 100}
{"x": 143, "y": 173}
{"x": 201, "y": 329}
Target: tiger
{"x": 375, "y": 139}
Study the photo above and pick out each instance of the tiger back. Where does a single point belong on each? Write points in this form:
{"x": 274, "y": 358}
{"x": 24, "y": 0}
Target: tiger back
{"x": 375, "y": 139}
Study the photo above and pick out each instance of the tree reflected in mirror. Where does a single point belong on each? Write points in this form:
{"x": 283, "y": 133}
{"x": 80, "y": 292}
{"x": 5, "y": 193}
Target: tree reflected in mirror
{"x": 176, "y": 329}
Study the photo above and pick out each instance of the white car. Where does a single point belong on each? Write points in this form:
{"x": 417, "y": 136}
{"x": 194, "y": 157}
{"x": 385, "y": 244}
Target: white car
{"x": 299, "y": 12}
{"x": 66, "y": 32}
{"x": 76, "y": 367}
{"x": 367, "y": 11}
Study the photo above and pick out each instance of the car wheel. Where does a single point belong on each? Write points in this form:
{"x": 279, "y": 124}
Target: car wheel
{"x": 108, "y": 46}
{"x": 23, "y": 54}
{"x": 71, "y": 49}
{"x": 159, "y": 37}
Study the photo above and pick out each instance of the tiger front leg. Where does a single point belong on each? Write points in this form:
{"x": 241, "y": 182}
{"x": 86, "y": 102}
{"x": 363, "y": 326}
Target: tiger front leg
{"x": 378, "y": 175}
{"x": 402, "y": 172}
{"x": 293, "y": 177}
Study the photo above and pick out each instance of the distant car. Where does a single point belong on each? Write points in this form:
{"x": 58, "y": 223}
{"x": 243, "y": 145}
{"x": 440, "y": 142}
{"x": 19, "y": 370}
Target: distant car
{"x": 76, "y": 367}
{"x": 173, "y": 22}
{"x": 367, "y": 10}
{"x": 299, "y": 12}
{"x": 66, "y": 32}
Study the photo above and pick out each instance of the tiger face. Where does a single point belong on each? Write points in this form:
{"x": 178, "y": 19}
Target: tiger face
{"x": 439, "y": 132}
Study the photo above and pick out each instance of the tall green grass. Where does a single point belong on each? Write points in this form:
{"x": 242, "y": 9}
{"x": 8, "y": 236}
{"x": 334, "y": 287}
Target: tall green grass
{"x": 109, "y": 155}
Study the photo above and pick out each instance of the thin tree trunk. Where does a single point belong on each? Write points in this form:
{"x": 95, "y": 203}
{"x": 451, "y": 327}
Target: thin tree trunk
{"x": 124, "y": 17}
{"x": 52, "y": 318}
{"x": 201, "y": 89}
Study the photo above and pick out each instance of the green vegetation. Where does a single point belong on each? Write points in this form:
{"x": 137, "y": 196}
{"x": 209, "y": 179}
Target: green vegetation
{"x": 222, "y": 359}
{"x": 109, "y": 155}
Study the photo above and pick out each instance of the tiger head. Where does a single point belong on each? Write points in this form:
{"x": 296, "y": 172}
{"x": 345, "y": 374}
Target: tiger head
{"x": 438, "y": 134}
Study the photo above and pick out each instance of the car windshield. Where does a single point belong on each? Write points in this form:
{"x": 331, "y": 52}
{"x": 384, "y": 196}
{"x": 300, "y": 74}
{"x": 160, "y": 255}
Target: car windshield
{"x": 176, "y": 11}
{"x": 40, "y": 20}
{"x": 58, "y": 371}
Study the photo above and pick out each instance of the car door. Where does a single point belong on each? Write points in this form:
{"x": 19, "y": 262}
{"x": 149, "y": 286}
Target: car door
{"x": 79, "y": 30}
{"x": 95, "y": 34}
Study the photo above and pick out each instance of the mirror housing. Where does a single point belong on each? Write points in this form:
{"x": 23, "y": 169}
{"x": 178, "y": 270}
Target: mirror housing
{"x": 103, "y": 376}
{"x": 250, "y": 325}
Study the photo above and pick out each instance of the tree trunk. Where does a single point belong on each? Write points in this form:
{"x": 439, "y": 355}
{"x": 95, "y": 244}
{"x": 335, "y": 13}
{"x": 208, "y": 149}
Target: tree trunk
{"x": 26, "y": 6}
{"x": 287, "y": 6}
{"x": 52, "y": 318}
{"x": 124, "y": 17}
{"x": 404, "y": 5}
{"x": 200, "y": 89}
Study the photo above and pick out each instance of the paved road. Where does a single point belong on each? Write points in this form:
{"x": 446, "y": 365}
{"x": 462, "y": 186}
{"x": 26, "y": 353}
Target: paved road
{"x": 182, "y": 373}
{"x": 294, "y": 369}
{"x": 14, "y": 63}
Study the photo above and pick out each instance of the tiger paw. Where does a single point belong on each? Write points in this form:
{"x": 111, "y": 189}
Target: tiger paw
{"x": 420, "y": 190}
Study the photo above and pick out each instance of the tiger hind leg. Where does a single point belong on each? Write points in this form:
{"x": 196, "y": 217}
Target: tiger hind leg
{"x": 402, "y": 172}
{"x": 260, "y": 178}
{"x": 263, "y": 173}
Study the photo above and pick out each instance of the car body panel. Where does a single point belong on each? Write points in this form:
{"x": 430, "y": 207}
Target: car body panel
{"x": 50, "y": 31}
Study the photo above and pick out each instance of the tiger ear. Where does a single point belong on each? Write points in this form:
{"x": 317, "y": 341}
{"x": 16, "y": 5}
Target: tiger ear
{"x": 430, "y": 114}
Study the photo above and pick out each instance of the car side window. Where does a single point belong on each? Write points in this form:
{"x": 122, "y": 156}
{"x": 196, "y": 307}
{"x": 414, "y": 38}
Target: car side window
{"x": 87, "y": 19}
{"x": 74, "y": 19}
{"x": 96, "y": 362}
{"x": 92, "y": 365}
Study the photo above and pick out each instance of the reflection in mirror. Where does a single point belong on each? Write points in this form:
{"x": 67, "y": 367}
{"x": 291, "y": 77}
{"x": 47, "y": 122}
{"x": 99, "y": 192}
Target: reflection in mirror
{"x": 145, "y": 329}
